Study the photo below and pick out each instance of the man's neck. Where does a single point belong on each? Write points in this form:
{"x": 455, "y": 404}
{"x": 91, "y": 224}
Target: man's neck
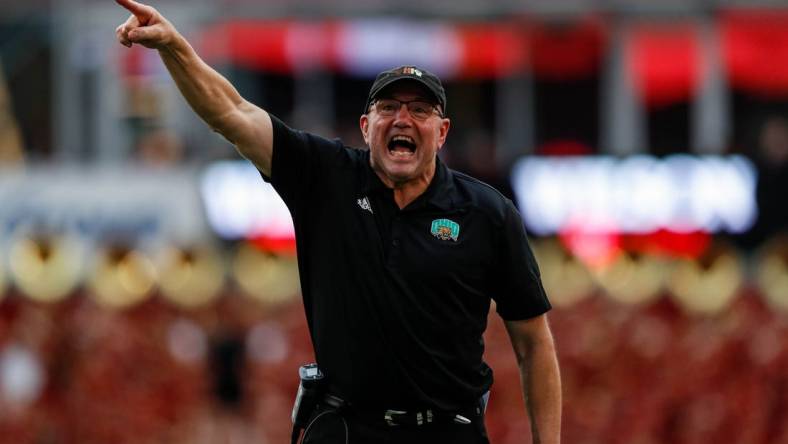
{"x": 408, "y": 191}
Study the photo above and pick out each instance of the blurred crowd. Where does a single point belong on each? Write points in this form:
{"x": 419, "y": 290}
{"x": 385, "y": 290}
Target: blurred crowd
{"x": 77, "y": 372}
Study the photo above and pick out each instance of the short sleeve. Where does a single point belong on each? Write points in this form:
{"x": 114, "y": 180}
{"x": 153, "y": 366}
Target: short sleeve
{"x": 299, "y": 162}
{"x": 518, "y": 290}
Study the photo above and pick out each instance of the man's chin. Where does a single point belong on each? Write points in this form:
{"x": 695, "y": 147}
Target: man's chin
{"x": 399, "y": 173}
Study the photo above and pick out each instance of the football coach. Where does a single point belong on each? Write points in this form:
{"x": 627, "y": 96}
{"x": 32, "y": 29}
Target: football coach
{"x": 399, "y": 256}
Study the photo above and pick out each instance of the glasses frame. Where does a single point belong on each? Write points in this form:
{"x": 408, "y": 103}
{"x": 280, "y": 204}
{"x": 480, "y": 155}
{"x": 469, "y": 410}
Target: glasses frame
{"x": 435, "y": 108}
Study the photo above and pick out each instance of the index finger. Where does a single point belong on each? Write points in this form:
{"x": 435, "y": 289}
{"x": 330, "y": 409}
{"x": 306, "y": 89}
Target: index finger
{"x": 142, "y": 12}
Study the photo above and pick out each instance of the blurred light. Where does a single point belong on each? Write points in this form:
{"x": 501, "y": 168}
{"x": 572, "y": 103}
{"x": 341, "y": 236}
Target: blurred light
{"x": 21, "y": 376}
{"x": 566, "y": 280}
{"x": 280, "y": 245}
{"x": 190, "y": 277}
{"x": 240, "y": 205}
{"x": 96, "y": 203}
{"x": 596, "y": 248}
{"x": 668, "y": 243}
{"x": 707, "y": 290}
{"x": 267, "y": 343}
{"x": 726, "y": 187}
{"x": 664, "y": 60}
{"x": 366, "y": 47}
{"x": 46, "y": 268}
{"x": 771, "y": 273}
{"x": 633, "y": 279}
{"x": 772, "y": 278}
{"x": 755, "y": 48}
{"x": 637, "y": 194}
{"x": 122, "y": 277}
{"x": 268, "y": 278}
{"x": 186, "y": 341}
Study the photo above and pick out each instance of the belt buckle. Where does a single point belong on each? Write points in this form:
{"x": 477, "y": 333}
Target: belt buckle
{"x": 389, "y": 416}
{"x": 427, "y": 415}
{"x": 420, "y": 417}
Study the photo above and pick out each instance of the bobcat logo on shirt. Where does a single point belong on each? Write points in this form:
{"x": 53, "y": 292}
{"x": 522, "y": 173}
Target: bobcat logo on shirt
{"x": 445, "y": 229}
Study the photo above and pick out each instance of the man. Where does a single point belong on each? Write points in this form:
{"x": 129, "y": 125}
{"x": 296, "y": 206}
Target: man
{"x": 399, "y": 257}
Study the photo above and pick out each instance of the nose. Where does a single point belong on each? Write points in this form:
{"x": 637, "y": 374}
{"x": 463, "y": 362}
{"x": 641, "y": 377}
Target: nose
{"x": 403, "y": 115}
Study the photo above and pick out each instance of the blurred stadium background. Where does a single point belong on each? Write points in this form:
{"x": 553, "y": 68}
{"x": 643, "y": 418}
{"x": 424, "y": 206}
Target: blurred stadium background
{"x": 148, "y": 290}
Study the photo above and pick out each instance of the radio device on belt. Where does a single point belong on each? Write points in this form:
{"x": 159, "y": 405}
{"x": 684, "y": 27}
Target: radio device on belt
{"x": 310, "y": 390}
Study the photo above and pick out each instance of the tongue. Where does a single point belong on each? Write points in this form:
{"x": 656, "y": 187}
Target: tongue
{"x": 400, "y": 149}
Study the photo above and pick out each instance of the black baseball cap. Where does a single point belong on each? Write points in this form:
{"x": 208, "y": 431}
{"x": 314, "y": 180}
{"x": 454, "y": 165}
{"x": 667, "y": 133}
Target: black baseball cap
{"x": 408, "y": 72}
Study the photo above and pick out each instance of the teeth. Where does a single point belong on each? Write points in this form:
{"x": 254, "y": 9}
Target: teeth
{"x": 402, "y": 146}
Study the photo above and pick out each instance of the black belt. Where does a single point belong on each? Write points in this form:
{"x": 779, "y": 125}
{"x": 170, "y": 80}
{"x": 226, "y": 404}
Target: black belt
{"x": 413, "y": 417}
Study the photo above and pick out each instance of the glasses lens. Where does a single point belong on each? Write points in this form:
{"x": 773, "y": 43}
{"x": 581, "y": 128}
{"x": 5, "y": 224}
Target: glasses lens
{"x": 417, "y": 109}
{"x": 387, "y": 107}
{"x": 420, "y": 110}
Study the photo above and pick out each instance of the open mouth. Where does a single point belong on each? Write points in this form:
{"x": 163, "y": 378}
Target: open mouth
{"x": 401, "y": 146}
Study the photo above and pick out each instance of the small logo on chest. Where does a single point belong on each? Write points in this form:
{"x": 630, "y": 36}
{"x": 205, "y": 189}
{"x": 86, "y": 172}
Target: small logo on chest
{"x": 364, "y": 204}
{"x": 445, "y": 229}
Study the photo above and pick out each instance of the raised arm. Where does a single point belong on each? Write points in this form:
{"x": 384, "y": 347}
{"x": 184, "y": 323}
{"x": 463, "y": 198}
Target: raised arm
{"x": 539, "y": 374}
{"x": 210, "y": 95}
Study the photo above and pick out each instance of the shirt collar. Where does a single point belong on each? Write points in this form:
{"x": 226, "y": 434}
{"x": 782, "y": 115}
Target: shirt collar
{"x": 371, "y": 182}
{"x": 439, "y": 193}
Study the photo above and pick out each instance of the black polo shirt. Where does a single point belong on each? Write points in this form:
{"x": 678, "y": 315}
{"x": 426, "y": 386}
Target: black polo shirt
{"x": 397, "y": 300}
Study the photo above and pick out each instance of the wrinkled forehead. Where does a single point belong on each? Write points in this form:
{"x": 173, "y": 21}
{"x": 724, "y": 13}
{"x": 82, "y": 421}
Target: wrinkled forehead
{"x": 407, "y": 90}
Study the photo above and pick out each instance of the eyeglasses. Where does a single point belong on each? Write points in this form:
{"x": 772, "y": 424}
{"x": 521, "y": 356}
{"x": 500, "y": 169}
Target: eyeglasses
{"x": 418, "y": 109}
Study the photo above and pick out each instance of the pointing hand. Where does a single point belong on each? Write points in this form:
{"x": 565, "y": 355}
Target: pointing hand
{"x": 144, "y": 26}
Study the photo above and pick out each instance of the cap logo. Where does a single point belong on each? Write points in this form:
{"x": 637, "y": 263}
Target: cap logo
{"x": 445, "y": 229}
{"x": 411, "y": 71}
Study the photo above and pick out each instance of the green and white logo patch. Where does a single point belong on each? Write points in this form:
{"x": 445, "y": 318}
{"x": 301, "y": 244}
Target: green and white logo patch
{"x": 445, "y": 229}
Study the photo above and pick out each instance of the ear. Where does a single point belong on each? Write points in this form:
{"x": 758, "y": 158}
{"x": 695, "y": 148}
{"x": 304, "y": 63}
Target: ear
{"x": 363, "y": 123}
{"x": 443, "y": 131}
